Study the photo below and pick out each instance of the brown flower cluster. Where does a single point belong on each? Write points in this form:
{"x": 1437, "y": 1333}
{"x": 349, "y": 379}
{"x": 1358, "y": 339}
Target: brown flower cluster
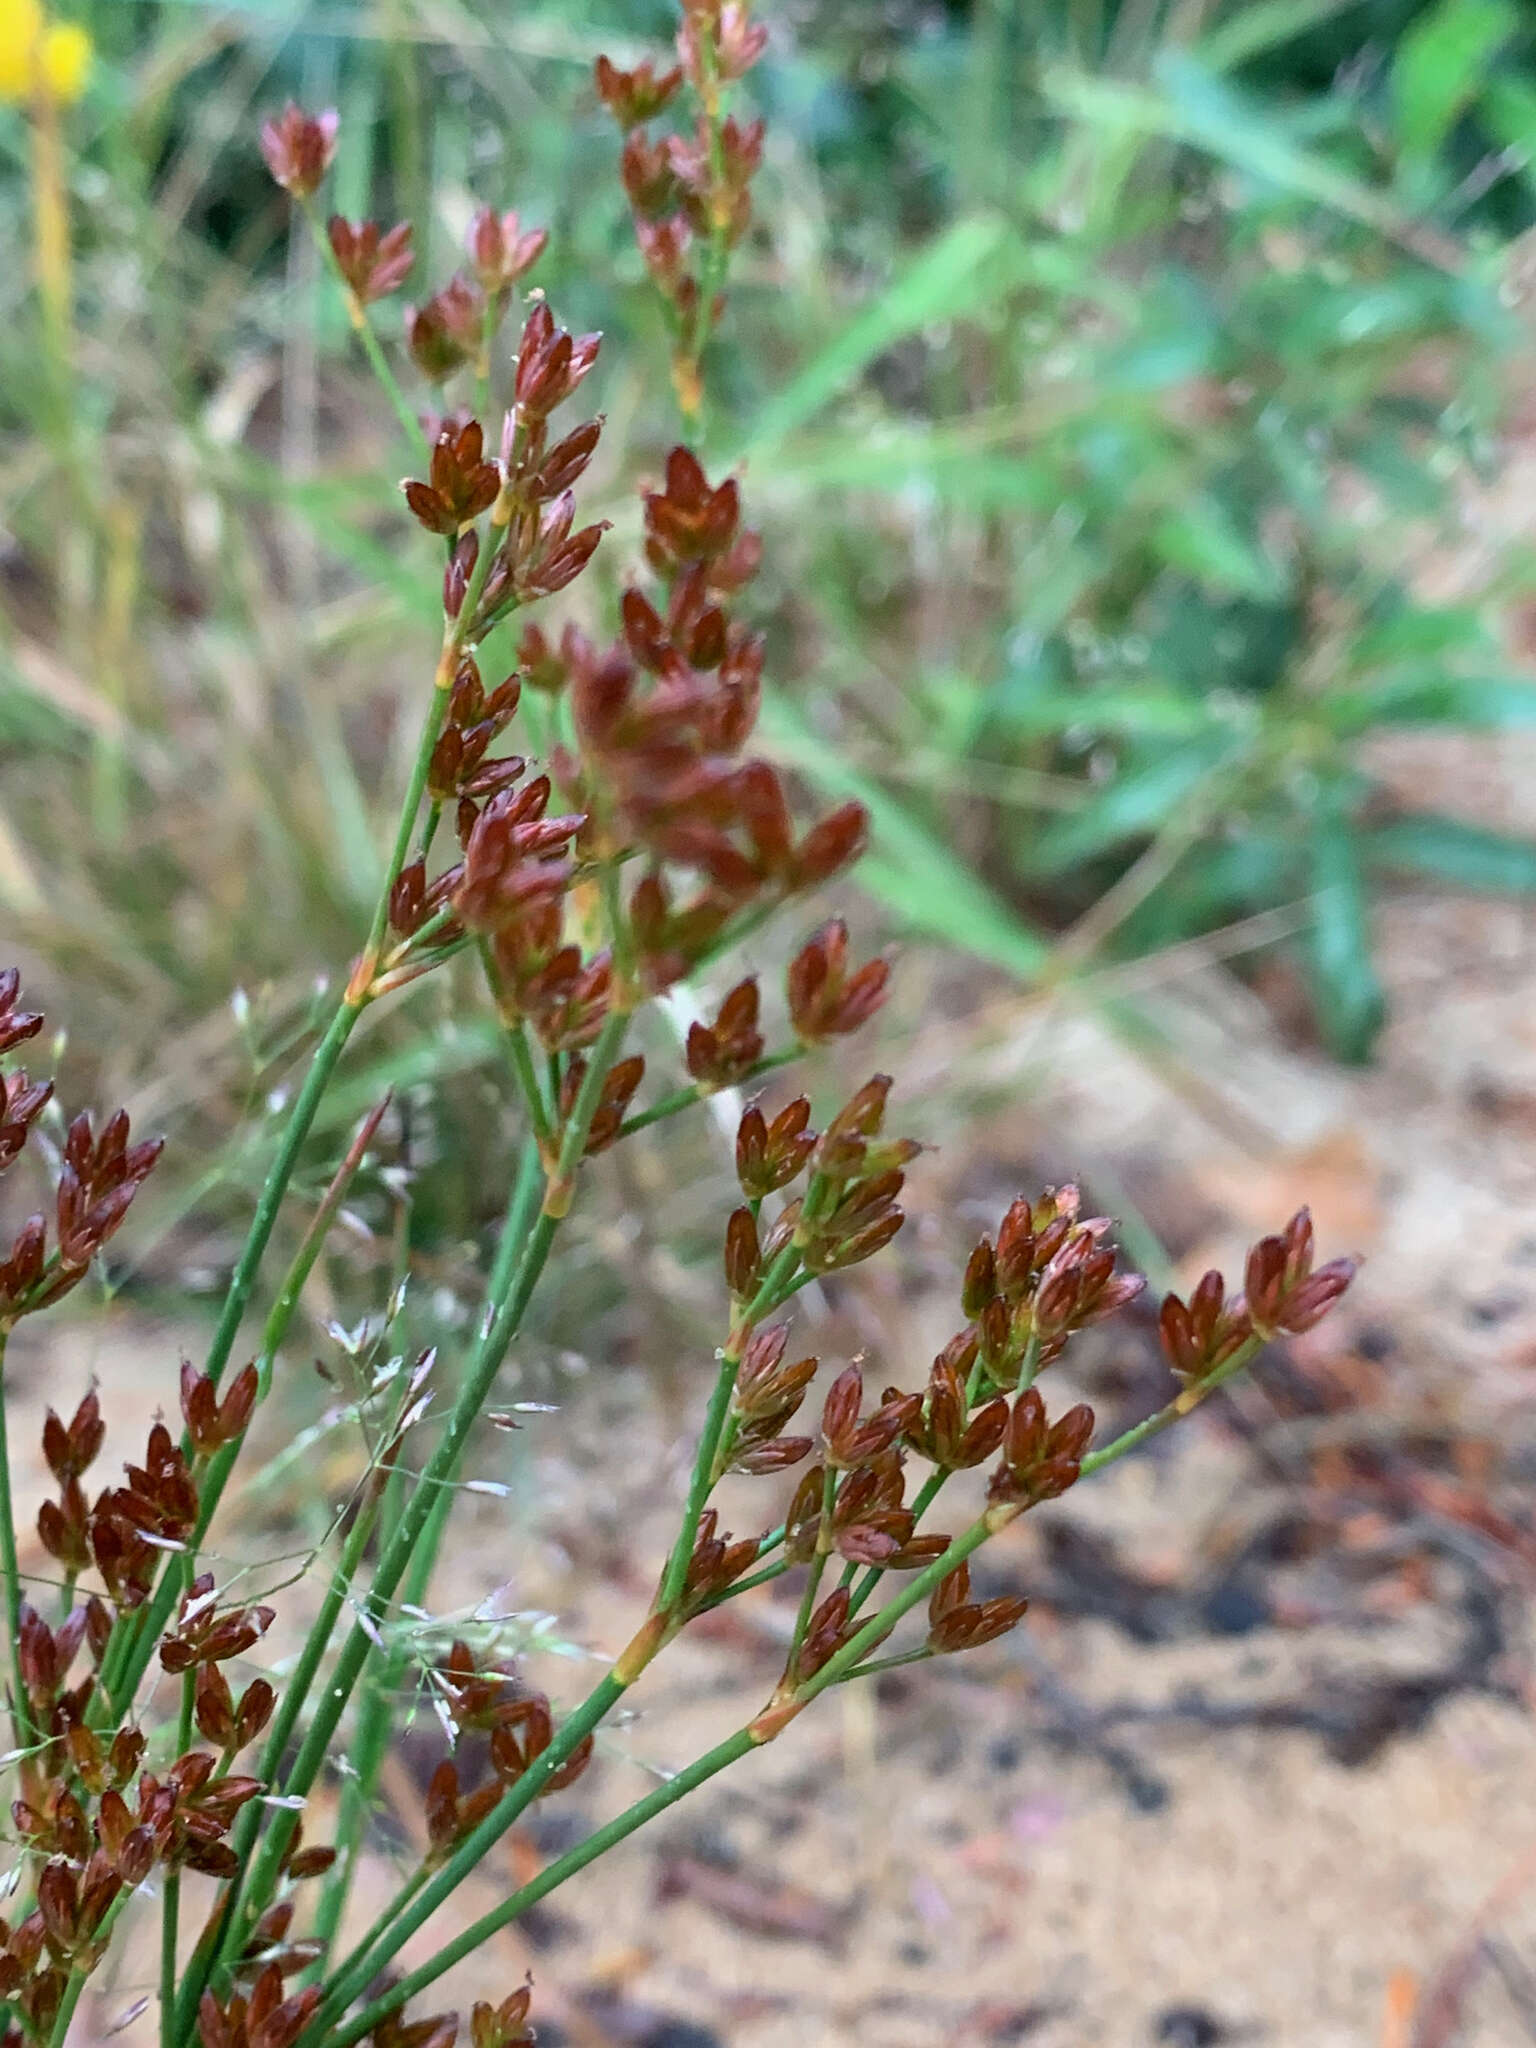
{"x": 1051, "y": 1273}
{"x": 661, "y": 720}
{"x": 300, "y": 148}
{"x": 689, "y": 190}
{"x": 489, "y": 1700}
{"x": 823, "y": 1003}
{"x": 374, "y": 261}
{"x": 490, "y": 2026}
{"x": 526, "y": 487}
{"x": 99, "y": 1176}
{"x": 457, "y": 325}
{"x": 849, "y": 1209}
{"x": 1282, "y": 1296}
{"x": 100, "y": 1823}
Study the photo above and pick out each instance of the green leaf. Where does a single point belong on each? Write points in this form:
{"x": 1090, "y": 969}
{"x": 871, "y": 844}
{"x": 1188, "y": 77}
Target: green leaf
{"x": 1479, "y": 703}
{"x": 1508, "y": 105}
{"x": 1345, "y": 988}
{"x": 973, "y": 262}
{"x": 1201, "y": 539}
{"x": 1422, "y": 630}
{"x": 1186, "y": 104}
{"x": 1214, "y": 883}
{"x": 1448, "y": 850}
{"x": 1440, "y": 66}
{"x": 1150, "y": 713}
{"x": 1135, "y": 803}
{"x": 1264, "y": 25}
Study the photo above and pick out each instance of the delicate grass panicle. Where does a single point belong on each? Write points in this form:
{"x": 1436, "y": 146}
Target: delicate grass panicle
{"x": 589, "y": 830}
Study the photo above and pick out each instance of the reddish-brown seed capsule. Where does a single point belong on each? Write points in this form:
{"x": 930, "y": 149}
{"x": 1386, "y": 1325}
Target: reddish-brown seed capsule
{"x": 299, "y": 148}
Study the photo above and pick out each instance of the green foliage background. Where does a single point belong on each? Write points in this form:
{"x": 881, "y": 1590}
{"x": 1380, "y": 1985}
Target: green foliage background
{"x": 1103, "y": 376}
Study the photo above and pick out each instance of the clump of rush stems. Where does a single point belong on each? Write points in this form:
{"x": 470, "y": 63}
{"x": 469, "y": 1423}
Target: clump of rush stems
{"x": 593, "y": 830}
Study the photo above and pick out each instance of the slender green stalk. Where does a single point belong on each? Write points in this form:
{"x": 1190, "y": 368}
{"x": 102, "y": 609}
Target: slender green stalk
{"x": 405, "y": 1913}
{"x": 527, "y": 1078}
{"x": 321, "y": 1067}
{"x": 10, "y": 1566}
{"x": 1175, "y": 1410}
{"x": 363, "y": 327}
{"x": 686, "y": 1098}
{"x": 122, "y": 1681}
{"x": 438, "y": 1473}
{"x": 818, "y": 1566}
{"x": 701, "y": 1480}
{"x": 284, "y": 1722}
{"x": 170, "y": 1896}
{"x": 768, "y": 1297}
{"x": 376, "y": 1707}
{"x": 921, "y": 1655}
{"x": 597, "y": 1844}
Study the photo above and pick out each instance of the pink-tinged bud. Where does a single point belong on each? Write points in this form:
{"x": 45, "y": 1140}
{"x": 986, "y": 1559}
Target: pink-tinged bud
{"x": 634, "y": 96}
{"x": 15, "y": 1024}
{"x": 501, "y": 249}
{"x": 456, "y": 577}
{"x": 830, "y": 845}
{"x": 743, "y": 1261}
{"x": 299, "y": 148}
{"x": 373, "y": 263}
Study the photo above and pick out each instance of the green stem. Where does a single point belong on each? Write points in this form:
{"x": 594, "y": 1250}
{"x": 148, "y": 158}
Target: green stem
{"x": 401, "y": 1918}
{"x": 1183, "y": 1404}
{"x": 321, "y": 1067}
{"x": 376, "y": 1708}
{"x": 363, "y": 327}
{"x": 439, "y": 1473}
{"x": 522, "y": 1066}
{"x": 118, "y": 1687}
{"x": 170, "y": 1898}
{"x": 10, "y": 1566}
{"x": 818, "y": 1566}
{"x": 597, "y": 1844}
{"x": 686, "y": 1098}
{"x": 328, "y": 1052}
{"x": 873, "y": 1670}
{"x": 704, "y": 1476}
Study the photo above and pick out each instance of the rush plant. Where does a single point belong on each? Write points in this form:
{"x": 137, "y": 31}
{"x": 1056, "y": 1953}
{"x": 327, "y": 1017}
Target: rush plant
{"x": 588, "y": 833}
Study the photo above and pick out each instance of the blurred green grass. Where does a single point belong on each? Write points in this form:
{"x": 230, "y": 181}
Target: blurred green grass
{"x": 1103, "y": 376}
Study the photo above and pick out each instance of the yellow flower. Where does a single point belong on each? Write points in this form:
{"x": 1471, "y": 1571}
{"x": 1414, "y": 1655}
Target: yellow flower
{"x": 21, "y": 33}
{"x": 37, "y": 55}
{"x": 64, "y": 60}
